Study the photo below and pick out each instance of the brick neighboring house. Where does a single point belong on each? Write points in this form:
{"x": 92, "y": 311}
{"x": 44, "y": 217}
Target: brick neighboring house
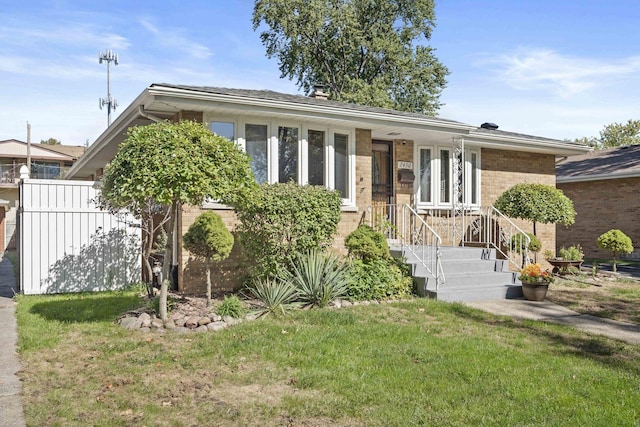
{"x": 375, "y": 157}
{"x": 47, "y": 161}
{"x": 605, "y": 188}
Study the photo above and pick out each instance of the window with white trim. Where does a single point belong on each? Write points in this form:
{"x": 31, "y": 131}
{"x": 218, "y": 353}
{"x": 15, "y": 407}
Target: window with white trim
{"x": 435, "y": 180}
{"x": 283, "y": 152}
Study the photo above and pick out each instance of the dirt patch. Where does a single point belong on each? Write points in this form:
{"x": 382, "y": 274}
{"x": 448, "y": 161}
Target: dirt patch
{"x": 601, "y": 295}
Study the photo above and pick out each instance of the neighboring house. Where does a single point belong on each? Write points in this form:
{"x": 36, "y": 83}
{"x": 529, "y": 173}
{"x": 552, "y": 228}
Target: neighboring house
{"x": 46, "y": 163}
{"x": 605, "y": 188}
{"x": 375, "y": 157}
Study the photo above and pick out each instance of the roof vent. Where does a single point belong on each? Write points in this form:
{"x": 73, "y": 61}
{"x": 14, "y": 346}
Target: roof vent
{"x": 318, "y": 92}
{"x": 489, "y": 126}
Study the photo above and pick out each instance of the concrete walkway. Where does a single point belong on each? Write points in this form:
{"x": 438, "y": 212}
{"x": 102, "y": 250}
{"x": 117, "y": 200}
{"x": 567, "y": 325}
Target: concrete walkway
{"x": 550, "y": 312}
{"x": 11, "y": 411}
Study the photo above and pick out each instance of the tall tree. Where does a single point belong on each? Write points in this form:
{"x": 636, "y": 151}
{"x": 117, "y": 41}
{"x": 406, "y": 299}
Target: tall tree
{"x": 620, "y": 134}
{"x": 162, "y": 166}
{"x": 50, "y": 141}
{"x": 369, "y": 52}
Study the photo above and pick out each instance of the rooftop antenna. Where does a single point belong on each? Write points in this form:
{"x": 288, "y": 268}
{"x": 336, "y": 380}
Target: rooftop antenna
{"x": 108, "y": 56}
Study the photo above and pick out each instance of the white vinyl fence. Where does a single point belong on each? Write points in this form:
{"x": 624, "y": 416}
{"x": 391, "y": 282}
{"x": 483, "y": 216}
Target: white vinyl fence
{"x": 67, "y": 244}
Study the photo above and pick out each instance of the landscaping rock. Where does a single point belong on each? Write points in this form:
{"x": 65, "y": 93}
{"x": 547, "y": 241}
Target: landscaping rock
{"x": 169, "y": 324}
{"x": 131, "y": 322}
{"x": 180, "y": 321}
{"x": 216, "y": 326}
{"x": 191, "y": 322}
{"x": 204, "y": 321}
{"x": 145, "y": 329}
{"x": 145, "y": 319}
{"x": 157, "y": 323}
{"x": 201, "y": 328}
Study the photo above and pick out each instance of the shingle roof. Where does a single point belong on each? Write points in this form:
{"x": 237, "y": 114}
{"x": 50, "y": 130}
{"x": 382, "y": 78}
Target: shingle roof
{"x": 601, "y": 164}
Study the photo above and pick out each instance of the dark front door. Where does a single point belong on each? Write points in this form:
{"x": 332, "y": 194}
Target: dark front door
{"x": 382, "y": 182}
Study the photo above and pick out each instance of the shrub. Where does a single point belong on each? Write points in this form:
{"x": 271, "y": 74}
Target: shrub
{"x": 318, "y": 277}
{"x": 518, "y": 241}
{"x": 377, "y": 280}
{"x": 231, "y": 306}
{"x": 285, "y": 220}
{"x": 572, "y": 253}
{"x": 274, "y": 296}
{"x": 536, "y": 203}
{"x": 210, "y": 239}
{"x": 616, "y": 242}
{"x": 367, "y": 244}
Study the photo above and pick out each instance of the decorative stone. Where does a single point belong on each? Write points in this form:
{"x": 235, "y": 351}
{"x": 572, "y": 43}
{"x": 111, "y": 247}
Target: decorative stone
{"x": 160, "y": 331}
{"x": 204, "y": 321}
{"x": 346, "y": 303}
{"x": 145, "y": 329}
{"x": 145, "y": 319}
{"x": 181, "y": 330}
{"x": 216, "y": 318}
{"x": 169, "y": 324}
{"x": 130, "y": 322}
{"x": 216, "y": 326}
{"x": 177, "y": 315}
{"x": 180, "y": 321}
{"x": 201, "y": 328}
{"x": 157, "y": 323}
{"x": 191, "y": 322}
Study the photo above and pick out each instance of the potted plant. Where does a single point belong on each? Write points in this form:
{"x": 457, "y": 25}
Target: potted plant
{"x": 569, "y": 260}
{"x": 535, "y": 282}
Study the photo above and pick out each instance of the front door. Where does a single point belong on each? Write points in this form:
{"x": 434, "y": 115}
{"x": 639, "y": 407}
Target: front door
{"x": 382, "y": 184}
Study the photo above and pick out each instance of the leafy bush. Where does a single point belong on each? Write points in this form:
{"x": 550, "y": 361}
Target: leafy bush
{"x": 210, "y": 239}
{"x": 318, "y": 277}
{"x": 518, "y": 241}
{"x": 536, "y": 203}
{"x": 367, "y": 244}
{"x": 231, "y": 306}
{"x": 285, "y": 220}
{"x": 376, "y": 280}
{"x": 572, "y": 253}
{"x": 274, "y": 296}
{"x": 616, "y": 242}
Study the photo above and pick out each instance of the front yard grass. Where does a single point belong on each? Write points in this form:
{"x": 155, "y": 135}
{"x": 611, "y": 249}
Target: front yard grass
{"x": 417, "y": 362}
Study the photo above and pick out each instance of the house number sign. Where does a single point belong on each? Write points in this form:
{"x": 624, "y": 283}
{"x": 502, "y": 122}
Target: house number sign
{"x": 405, "y": 165}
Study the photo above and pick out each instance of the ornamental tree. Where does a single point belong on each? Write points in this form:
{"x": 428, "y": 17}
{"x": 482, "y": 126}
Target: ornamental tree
{"x": 162, "y": 166}
{"x": 616, "y": 242}
{"x": 366, "y": 52}
{"x": 536, "y": 203}
{"x": 210, "y": 239}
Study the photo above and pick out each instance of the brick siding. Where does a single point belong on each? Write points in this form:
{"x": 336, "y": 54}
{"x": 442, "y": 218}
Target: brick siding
{"x": 601, "y": 206}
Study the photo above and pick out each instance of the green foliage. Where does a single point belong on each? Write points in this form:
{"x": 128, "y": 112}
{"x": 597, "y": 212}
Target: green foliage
{"x": 377, "y": 280}
{"x": 367, "y": 244}
{"x": 616, "y": 242}
{"x": 518, "y": 242}
{"x": 572, "y": 253}
{"x": 208, "y": 237}
{"x": 275, "y": 296}
{"x": 50, "y": 141}
{"x": 180, "y": 163}
{"x": 537, "y": 203}
{"x": 319, "y": 278}
{"x": 620, "y": 134}
{"x": 285, "y": 220}
{"x": 231, "y": 306}
{"x": 366, "y": 52}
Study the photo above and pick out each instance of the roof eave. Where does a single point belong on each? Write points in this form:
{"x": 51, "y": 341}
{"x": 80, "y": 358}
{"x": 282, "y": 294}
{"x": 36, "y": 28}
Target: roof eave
{"x": 597, "y": 177}
{"x": 503, "y": 142}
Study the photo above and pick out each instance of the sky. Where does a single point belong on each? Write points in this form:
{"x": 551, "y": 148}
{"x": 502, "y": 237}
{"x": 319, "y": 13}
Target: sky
{"x": 555, "y": 68}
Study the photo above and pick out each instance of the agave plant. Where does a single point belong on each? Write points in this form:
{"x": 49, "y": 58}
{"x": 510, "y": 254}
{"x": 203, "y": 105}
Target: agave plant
{"x": 319, "y": 278}
{"x": 274, "y": 295}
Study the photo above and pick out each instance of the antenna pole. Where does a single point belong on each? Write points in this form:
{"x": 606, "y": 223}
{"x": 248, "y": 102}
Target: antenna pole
{"x": 108, "y": 56}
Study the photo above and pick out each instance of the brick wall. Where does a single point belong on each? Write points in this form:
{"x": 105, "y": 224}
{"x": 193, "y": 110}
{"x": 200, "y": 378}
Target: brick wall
{"x": 403, "y": 152}
{"x": 601, "y": 206}
{"x": 501, "y": 169}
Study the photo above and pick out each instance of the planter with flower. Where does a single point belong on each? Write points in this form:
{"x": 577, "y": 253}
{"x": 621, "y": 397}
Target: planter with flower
{"x": 569, "y": 260}
{"x": 535, "y": 282}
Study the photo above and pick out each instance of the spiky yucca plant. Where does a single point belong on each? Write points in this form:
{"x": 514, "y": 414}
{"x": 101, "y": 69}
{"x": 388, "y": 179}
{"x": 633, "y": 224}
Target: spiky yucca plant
{"x": 274, "y": 295}
{"x": 319, "y": 277}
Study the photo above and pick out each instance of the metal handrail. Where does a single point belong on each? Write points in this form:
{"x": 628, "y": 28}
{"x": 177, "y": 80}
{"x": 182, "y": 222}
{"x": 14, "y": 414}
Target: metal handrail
{"x": 500, "y": 237}
{"x": 423, "y": 243}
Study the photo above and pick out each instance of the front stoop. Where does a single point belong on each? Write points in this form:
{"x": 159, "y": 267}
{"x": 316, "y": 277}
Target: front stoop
{"x": 471, "y": 274}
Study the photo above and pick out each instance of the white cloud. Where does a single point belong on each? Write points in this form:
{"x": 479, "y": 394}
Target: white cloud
{"x": 173, "y": 38}
{"x": 562, "y": 75}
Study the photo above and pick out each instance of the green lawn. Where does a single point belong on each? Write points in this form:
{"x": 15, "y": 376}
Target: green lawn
{"x": 419, "y": 362}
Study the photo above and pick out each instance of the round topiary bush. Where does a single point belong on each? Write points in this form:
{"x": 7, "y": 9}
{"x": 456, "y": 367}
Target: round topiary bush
{"x": 367, "y": 244}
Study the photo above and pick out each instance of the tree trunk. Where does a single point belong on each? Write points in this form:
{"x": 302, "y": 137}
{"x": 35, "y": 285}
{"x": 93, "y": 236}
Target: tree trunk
{"x": 164, "y": 288}
{"x": 208, "y": 281}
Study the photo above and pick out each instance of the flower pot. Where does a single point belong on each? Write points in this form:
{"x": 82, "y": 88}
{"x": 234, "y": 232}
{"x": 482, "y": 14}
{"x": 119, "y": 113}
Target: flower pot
{"x": 535, "y": 291}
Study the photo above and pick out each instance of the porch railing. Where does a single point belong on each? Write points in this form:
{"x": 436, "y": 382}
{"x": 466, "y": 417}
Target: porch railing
{"x": 486, "y": 227}
{"x": 404, "y": 228}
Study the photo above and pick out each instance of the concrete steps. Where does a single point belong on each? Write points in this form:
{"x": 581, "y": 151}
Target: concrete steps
{"x": 471, "y": 274}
